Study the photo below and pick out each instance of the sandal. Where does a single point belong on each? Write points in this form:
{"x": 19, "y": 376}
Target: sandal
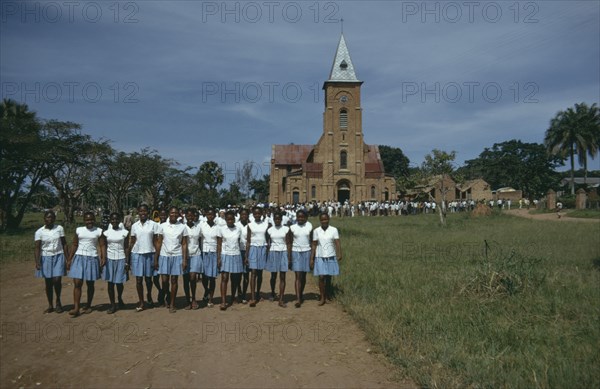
{"x": 111, "y": 310}
{"x": 49, "y": 310}
{"x": 195, "y": 305}
{"x": 297, "y": 305}
{"x": 223, "y": 307}
{"x": 252, "y": 303}
{"x": 86, "y": 310}
{"x": 139, "y": 308}
{"x": 172, "y": 310}
{"x": 74, "y": 313}
{"x": 58, "y": 309}
{"x": 210, "y": 305}
{"x": 188, "y": 307}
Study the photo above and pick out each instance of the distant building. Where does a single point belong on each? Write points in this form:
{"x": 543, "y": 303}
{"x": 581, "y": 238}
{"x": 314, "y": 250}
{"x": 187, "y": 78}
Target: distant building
{"x": 436, "y": 186}
{"x": 508, "y": 193}
{"x": 341, "y": 166}
{"x": 477, "y": 189}
{"x": 592, "y": 182}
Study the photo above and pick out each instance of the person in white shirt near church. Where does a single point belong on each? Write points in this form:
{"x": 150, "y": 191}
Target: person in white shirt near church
{"x": 256, "y": 252}
{"x": 195, "y": 256}
{"x": 300, "y": 242}
{"x": 85, "y": 259}
{"x": 278, "y": 258}
{"x": 229, "y": 257}
{"x": 50, "y": 251}
{"x": 144, "y": 236}
{"x": 171, "y": 260}
{"x": 209, "y": 230}
{"x": 116, "y": 266}
{"x": 325, "y": 254}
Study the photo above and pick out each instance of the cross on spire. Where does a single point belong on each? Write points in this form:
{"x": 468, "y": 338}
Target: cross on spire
{"x": 342, "y": 22}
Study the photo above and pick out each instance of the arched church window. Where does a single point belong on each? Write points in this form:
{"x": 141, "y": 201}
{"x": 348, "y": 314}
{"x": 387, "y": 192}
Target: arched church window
{"x": 373, "y": 192}
{"x": 343, "y": 159}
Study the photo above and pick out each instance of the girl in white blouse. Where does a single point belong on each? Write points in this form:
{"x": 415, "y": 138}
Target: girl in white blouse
{"x": 116, "y": 266}
{"x": 85, "y": 259}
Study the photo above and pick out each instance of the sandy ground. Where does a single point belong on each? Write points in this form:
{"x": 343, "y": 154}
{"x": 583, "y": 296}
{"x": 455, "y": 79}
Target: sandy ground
{"x": 549, "y": 216}
{"x": 243, "y": 347}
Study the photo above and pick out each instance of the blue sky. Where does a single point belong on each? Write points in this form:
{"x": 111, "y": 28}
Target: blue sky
{"x": 223, "y": 81}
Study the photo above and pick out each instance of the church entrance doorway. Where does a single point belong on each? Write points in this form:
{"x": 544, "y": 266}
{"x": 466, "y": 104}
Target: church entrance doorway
{"x": 343, "y": 191}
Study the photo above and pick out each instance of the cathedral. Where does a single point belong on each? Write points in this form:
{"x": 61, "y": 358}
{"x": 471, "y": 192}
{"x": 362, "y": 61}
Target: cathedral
{"x": 341, "y": 166}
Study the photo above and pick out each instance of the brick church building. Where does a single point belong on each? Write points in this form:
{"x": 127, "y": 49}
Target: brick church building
{"x": 341, "y": 166}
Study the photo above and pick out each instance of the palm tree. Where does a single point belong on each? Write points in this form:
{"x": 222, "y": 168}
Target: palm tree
{"x": 574, "y": 131}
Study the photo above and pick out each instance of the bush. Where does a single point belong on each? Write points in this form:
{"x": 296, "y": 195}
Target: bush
{"x": 504, "y": 272}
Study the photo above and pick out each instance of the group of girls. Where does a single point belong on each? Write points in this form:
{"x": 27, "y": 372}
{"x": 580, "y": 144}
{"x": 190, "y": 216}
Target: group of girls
{"x": 158, "y": 253}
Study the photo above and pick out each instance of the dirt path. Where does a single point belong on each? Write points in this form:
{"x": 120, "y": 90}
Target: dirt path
{"x": 243, "y": 347}
{"x": 549, "y": 216}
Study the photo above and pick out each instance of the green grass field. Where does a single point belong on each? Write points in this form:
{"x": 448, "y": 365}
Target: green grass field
{"x": 522, "y": 311}
{"x": 495, "y": 301}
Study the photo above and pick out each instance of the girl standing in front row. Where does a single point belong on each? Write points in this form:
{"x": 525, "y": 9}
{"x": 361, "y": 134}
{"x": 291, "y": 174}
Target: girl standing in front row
{"x": 116, "y": 266}
{"x": 85, "y": 260}
{"x": 50, "y": 251}
{"x": 300, "y": 240}
{"x": 209, "y": 231}
{"x": 229, "y": 257}
{"x": 194, "y": 254}
{"x": 172, "y": 255}
{"x": 279, "y": 259}
{"x": 256, "y": 252}
{"x": 144, "y": 235}
{"x": 243, "y": 224}
{"x": 325, "y": 255}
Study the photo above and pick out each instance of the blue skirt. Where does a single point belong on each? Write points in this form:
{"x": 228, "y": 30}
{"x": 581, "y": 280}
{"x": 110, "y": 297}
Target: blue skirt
{"x": 142, "y": 265}
{"x": 52, "y": 266}
{"x": 232, "y": 263}
{"x": 301, "y": 261}
{"x": 326, "y": 266}
{"x": 277, "y": 261}
{"x": 170, "y": 265}
{"x": 195, "y": 265}
{"x": 85, "y": 268}
{"x": 257, "y": 257}
{"x": 210, "y": 264}
{"x": 114, "y": 271}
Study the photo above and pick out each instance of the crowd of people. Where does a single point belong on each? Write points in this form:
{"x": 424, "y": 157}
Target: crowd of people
{"x": 236, "y": 245}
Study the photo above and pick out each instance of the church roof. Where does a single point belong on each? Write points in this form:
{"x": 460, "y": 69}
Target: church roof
{"x": 373, "y": 163}
{"x": 290, "y": 154}
{"x": 342, "y": 68}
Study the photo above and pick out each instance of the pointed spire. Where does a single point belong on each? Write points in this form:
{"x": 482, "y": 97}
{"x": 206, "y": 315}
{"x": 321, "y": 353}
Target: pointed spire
{"x": 342, "y": 68}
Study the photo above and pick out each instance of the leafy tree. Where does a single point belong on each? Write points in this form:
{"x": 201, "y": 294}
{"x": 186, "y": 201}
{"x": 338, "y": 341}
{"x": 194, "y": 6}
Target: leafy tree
{"x": 439, "y": 163}
{"x": 244, "y": 175}
{"x": 231, "y": 196}
{"x": 77, "y": 157}
{"x": 208, "y": 179}
{"x": 574, "y": 131}
{"x": 525, "y": 166}
{"x": 260, "y": 187}
{"x": 394, "y": 162}
{"x": 23, "y": 161}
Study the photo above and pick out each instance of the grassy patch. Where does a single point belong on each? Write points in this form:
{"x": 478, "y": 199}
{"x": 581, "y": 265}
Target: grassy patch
{"x": 585, "y": 213}
{"x": 451, "y": 311}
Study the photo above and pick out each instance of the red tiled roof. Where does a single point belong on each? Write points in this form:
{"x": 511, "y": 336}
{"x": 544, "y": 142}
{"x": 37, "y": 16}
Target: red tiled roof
{"x": 290, "y": 154}
{"x": 373, "y": 164}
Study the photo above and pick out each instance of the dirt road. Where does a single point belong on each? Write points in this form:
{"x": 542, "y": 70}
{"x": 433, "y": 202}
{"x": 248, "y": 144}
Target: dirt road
{"x": 243, "y": 347}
